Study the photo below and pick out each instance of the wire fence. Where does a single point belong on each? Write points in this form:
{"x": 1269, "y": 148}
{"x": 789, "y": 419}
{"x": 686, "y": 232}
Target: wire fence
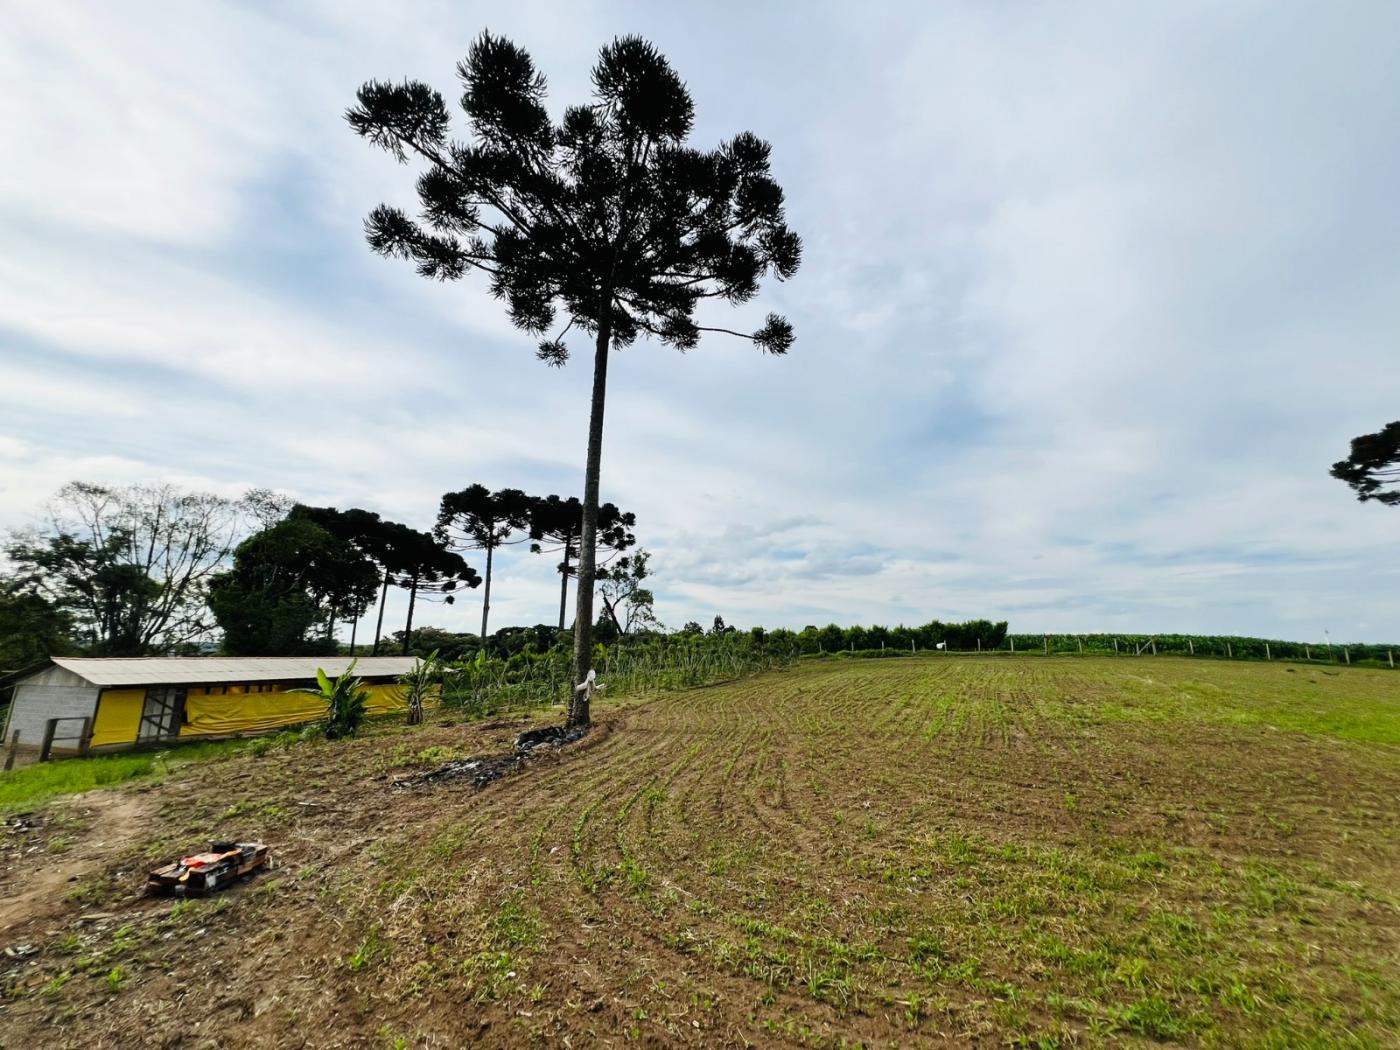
{"x": 1223, "y": 647}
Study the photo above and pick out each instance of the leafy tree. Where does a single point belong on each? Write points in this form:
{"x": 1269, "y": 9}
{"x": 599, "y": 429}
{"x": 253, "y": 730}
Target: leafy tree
{"x": 31, "y": 628}
{"x": 622, "y": 588}
{"x": 720, "y": 627}
{"x": 608, "y": 217}
{"x": 691, "y": 628}
{"x": 1373, "y": 468}
{"x": 345, "y": 697}
{"x": 605, "y": 631}
{"x": 284, "y": 579}
{"x": 129, "y": 565}
{"x": 478, "y": 519}
{"x": 556, "y": 525}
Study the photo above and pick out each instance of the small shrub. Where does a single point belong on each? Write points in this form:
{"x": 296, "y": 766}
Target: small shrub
{"x": 345, "y": 699}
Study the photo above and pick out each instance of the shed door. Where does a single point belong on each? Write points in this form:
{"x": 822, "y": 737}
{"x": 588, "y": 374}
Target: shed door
{"x": 160, "y": 717}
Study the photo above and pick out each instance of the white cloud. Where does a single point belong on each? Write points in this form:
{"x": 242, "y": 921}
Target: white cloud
{"x": 1091, "y": 299}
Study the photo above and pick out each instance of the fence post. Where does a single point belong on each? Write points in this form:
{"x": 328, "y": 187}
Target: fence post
{"x": 1115, "y": 645}
{"x": 85, "y": 737}
{"x": 979, "y": 643}
{"x": 49, "y": 727}
{"x": 14, "y": 746}
{"x": 1013, "y": 647}
{"x": 1391, "y": 654}
{"x": 913, "y": 646}
{"x": 1154, "y": 646}
{"x": 1229, "y": 651}
{"x": 1347, "y": 654}
{"x": 1192, "y": 646}
{"x": 1267, "y": 654}
{"x": 1047, "y": 645}
{"x": 1307, "y": 652}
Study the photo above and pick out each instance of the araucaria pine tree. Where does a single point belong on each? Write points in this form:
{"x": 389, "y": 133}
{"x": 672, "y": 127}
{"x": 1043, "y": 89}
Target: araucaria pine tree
{"x": 1373, "y": 468}
{"x": 556, "y": 525}
{"x": 606, "y": 217}
{"x": 478, "y": 519}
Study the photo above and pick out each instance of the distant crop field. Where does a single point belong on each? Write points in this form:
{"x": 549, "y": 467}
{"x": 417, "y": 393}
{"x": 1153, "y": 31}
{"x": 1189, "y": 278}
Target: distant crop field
{"x": 939, "y": 850}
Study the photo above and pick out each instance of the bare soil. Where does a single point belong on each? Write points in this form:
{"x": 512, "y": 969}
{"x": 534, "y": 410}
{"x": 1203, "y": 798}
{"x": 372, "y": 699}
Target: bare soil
{"x": 941, "y": 852}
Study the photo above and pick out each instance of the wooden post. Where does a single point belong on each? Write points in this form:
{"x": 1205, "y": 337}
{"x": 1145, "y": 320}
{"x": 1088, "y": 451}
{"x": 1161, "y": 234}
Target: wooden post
{"x": 10, "y": 754}
{"x": 1154, "y": 646}
{"x": 47, "y": 745}
{"x": 1047, "y": 645}
{"x": 913, "y": 646}
{"x": 1390, "y": 654}
{"x": 1347, "y": 654}
{"x": 979, "y": 643}
{"x": 1081, "y": 645}
{"x": 1013, "y": 647}
{"x": 85, "y": 737}
{"x": 1115, "y": 645}
{"x": 1307, "y": 652}
{"x": 1267, "y": 654}
{"x": 1191, "y": 645}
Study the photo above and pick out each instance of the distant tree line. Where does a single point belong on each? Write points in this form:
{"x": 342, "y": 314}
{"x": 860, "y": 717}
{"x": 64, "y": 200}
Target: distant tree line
{"x": 932, "y": 635}
{"x": 139, "y": 570}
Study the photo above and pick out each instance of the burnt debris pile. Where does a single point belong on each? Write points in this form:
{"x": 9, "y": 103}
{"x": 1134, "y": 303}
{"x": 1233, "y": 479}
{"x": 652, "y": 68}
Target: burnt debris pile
{"x": 483, "y": 769}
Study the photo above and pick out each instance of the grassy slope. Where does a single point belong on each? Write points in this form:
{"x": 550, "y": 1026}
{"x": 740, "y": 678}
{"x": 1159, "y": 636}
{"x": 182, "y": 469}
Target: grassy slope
{"x": 32, "y": 785}
{"x": 947, "y": 850}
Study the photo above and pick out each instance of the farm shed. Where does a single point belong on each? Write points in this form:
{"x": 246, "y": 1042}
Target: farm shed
{"x": 138, "y": 700}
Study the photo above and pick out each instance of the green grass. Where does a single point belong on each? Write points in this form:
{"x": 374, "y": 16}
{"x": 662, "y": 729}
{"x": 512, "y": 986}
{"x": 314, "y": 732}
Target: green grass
{"x": 22, "y": 789}
{"x": 1004, "y": 851}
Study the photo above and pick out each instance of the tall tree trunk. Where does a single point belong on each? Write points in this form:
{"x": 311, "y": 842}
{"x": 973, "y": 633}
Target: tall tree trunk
{"x": 330, "y": 627}
{"x": 564, "y": 586}
{"x": 408, "y": 626}
{"x": 486, "y": 597}
{"x": 379, "y": 626}
{"x": 354, "y": 628}
{"x": 579, "y": 714}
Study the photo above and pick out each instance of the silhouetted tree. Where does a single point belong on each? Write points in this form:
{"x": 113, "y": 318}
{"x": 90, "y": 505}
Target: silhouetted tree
{"x": 607, "y": 216}
{"x": 431, "y": 569}
{"x": 556, "y": 525}
{"x": 478, "y": 519}
{"x": 1373, "y": 468}
{"x": 416, "y": 561}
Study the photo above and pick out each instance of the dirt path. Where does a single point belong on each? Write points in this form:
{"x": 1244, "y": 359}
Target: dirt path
{"x": 31, "y": 893}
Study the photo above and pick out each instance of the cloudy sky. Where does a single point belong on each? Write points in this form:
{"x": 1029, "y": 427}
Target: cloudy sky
{"x": 1092, "y": 297}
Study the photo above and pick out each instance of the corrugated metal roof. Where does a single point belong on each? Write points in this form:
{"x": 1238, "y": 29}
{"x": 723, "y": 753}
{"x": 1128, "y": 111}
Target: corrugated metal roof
{"x": 199, "y": 670}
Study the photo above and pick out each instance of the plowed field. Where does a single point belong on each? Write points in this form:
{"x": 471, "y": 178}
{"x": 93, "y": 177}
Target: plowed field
{"x": 941, "y": 851}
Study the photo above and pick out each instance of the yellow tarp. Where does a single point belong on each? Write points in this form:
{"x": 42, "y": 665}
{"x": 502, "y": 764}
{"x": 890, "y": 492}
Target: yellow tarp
{"x": 118, "y": 716}
{"x": 250, "y": 712}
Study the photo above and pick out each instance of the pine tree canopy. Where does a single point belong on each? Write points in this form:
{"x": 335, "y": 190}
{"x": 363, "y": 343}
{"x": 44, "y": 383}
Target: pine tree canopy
{"x": 607, "y": 217}
{"x": 1373, "y": 468}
